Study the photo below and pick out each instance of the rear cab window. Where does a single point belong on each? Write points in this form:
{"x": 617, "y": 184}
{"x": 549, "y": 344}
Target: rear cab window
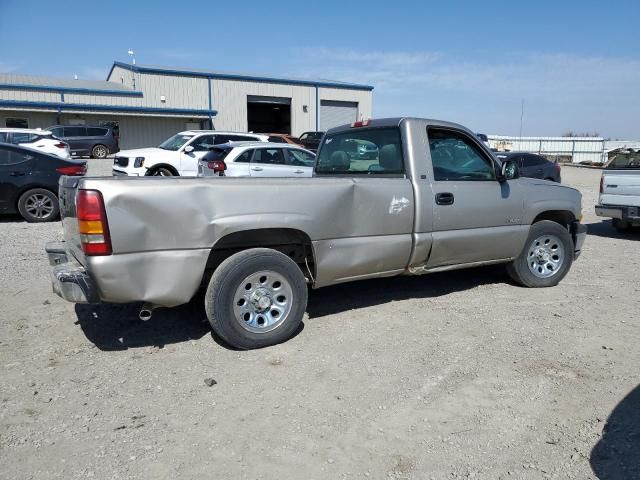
{"x": 625, "y": 160}
{"x": 362, "y": 151}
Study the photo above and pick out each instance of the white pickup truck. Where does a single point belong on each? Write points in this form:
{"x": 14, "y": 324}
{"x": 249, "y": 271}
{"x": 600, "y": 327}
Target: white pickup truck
{"x": 620, "y": 191}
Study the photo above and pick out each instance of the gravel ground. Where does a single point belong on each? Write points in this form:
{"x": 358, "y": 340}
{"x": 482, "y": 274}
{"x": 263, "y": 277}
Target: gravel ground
{"x": 452, "y": 375}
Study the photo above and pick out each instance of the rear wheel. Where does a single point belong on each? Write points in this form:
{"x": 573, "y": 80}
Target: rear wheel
{"x": 38, "y": 205}
{"x": 99, "y": 151}
{"x": 256, "y": 298}
{"x": 546, "y": 258}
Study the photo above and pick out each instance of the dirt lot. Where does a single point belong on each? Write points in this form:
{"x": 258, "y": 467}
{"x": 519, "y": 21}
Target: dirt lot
{"x": 453, "y": 375}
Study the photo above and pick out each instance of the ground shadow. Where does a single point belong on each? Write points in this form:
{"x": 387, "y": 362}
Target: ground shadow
{"x": 617, "y": 455}
{"x": 117, "y": 327}
{"x": 605, "y": 229}
{"x": 349, "y": 296}
{"x": 11, "y": 218}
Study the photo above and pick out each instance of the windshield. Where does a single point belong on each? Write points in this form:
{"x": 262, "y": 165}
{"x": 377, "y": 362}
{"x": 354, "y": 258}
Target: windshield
{"x": 175, "y": 142}
{"x": 372, "y": 151}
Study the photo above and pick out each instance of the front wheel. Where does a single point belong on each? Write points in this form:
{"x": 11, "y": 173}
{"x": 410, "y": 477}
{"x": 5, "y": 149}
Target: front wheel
{"x": 256, "y": 298}
{"x": 621, "y": 226}
{"x": 161, "y": 172}
{"x": 546, "y": 258}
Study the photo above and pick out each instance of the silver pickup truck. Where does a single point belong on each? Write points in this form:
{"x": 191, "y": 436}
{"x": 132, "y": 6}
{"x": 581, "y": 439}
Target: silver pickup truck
{"x": 620, "y": 191}
{"x": 400, "y": 196}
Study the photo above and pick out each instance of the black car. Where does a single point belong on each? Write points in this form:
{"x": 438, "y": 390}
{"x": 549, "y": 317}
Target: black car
{"x": 311, "y": 140}
{"x": 93, "y": 141}
{"x": 29, "y": 181}
{"x": 532, "y": 165}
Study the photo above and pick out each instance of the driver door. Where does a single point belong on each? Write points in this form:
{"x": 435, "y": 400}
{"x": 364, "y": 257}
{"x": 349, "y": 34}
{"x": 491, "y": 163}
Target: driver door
{"x": 189, "y": 160}
{"x": 476, "y": 218}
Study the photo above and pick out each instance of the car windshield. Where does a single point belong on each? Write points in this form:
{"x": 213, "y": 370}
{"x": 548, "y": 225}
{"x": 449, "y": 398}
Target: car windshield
{"x": 175, "y": 142}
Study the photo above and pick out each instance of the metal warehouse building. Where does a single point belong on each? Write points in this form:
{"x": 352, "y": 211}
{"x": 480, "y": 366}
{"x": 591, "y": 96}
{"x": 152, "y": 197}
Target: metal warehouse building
{"x": 150, "y": 104}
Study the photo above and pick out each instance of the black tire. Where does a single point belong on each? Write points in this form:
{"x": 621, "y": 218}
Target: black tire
{"x": 38, "y": 205}
{"x": 622, "y": 226}
{"x": 519, "y": 269}
{"x": 228, "y": 280}
{"x": 161, "y": 172}
{"x": 99, "y": 151}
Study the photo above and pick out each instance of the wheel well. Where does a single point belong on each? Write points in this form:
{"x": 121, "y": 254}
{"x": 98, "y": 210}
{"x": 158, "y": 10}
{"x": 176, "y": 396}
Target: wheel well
{"x": 563, "y": 217}
{"x": 293, "y": 243}
{"x": 163, "y": 165}
{"x": 31, "y": 187}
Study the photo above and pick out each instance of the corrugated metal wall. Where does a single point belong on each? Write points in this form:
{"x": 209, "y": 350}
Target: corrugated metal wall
{"x": 578, "y": 149}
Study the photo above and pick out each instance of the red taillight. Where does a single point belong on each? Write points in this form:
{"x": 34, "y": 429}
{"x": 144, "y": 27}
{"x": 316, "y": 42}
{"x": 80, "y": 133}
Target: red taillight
{"x": 361, "y": 123}
{"x": 92, "y": 223}
{"x": 558, "y": 167}
{"x": 61, "y": 145}
{"x": 218, "y": 166}
{"x": 602, "y": 184}
{"x": 72, "y": 171}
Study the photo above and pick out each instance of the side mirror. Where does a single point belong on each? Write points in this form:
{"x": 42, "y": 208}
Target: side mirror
{"x": 188, "y": 149}
{"x": 509, "y": 171}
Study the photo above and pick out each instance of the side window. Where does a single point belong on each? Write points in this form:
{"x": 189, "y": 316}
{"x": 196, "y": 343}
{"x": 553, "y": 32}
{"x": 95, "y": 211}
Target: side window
{"x": 244, "y": 157}
{"x": 241, "y": 138}
{"x": 220, "y": 139}
{"x": 4, "y": 137}
{"x": 57, "y": 132}
{"x": 269, "y": 156}
{"x": 535, "y": 160}
{"x": 304, "y": 136}
{"x": 456, "y": 158}
{"x": 22, "y": 137}
{"x": 300, "y": 158}
{"x": 203, "y": 143}
{"x": 9, "y": 157}
{"x": 96, "y": 132}
{"x": 4, "y": 156}
{"x": 74, "y": 131}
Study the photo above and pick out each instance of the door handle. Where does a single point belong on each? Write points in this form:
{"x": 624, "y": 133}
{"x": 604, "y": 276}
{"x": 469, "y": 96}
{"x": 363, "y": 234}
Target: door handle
{"x": 17, "y": 174}
{"x": 445, "y": 198}
{"x": 298, "y": 171}
{"x": 256, "y": 169}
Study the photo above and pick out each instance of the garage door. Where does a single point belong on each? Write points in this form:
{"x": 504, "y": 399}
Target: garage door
{"x": 334, "y": 113}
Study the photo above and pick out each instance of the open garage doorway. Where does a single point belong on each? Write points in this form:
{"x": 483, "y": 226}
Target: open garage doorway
{"x": 268, "y": 114}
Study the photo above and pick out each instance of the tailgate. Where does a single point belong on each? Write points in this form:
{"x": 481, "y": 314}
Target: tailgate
{"x": 621, "y": 187}
{"x": 67, "y": 188}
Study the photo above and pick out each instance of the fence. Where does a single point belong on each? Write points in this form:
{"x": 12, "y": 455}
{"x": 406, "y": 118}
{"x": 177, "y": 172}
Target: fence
{"x": 564, "y": 149}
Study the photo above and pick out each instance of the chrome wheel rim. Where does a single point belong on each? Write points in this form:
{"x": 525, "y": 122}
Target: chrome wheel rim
{"x": 100, "y": 152}
{"x": 263, "y": 301}
{"x": 545, "y": 256}
{"x": 39, "y": 205}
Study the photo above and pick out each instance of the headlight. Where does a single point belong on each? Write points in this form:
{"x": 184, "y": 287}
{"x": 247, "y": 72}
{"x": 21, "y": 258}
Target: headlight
{"x": 139, "y": 162}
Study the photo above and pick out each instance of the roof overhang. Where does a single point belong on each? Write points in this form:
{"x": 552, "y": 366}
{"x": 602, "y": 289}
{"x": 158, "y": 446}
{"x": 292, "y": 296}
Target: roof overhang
{"x": 240, "y": 77}
{"x": 83, "y": 107}
{"x": 61, "y": 89}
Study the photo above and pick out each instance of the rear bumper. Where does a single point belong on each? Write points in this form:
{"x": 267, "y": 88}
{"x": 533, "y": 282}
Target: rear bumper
{"x": 579, "y": 234}
{"x": 69, "y": 279}
{"x": 619, "y": 211}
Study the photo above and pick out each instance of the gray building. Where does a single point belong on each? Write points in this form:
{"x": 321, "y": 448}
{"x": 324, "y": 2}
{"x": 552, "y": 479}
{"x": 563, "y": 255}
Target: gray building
{"x": 150, "y": 103}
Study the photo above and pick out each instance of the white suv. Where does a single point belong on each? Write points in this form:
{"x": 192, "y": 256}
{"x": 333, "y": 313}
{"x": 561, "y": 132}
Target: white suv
{"x": 257, "y": 159}
{"x": 177, "y": 155}
{"x": 42, "y": 140}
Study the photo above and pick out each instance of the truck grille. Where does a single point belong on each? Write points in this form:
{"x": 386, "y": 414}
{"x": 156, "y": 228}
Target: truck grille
{"x": 121, "y": 161}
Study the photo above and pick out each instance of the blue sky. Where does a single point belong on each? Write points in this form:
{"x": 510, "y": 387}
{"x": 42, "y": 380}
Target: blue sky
{"x": 576, "y": 64}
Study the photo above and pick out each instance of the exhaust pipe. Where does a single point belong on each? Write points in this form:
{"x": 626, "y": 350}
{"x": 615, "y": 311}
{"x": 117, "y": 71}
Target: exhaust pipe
{"x": 146, "y": 312}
